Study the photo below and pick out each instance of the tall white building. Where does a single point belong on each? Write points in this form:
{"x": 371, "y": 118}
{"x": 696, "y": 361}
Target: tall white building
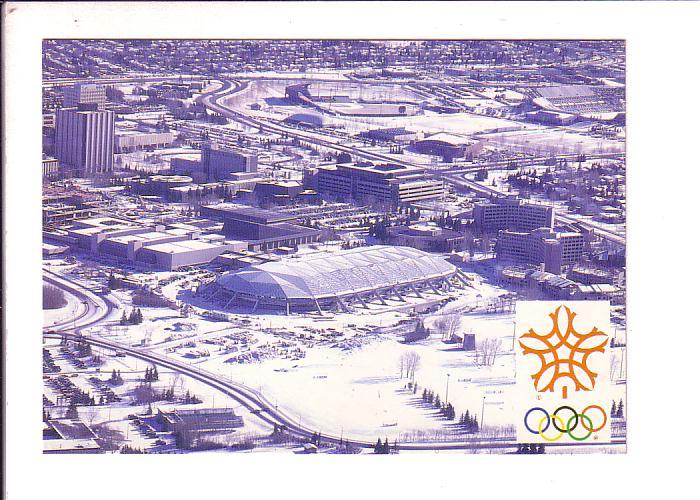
{"x": 85, "y": 141}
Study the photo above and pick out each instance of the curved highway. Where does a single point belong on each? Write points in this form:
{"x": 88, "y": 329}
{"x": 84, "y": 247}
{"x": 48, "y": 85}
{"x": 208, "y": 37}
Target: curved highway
{"x": 94, "y": 308}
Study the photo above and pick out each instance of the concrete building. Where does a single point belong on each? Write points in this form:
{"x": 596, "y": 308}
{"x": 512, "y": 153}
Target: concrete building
{"x": 512, "y": 214}
{"x": 85, "y": 93}
{"x": 277, "y": 192}
{"x": 85, "y": 141}
{"x": 397, "y": 134}
{"x": 448, "y": 146}
{"x": 154, "y": 247}
{"x": 550, "y": 117}
{"x": 390, "y": 184}
{"x": 130, "y": 140}
{"x": 49, "y": 168}
{"x": 201, "y": 420}
{"x": 426, "y": 237}
{"x": 541, "y": 246}
{"x": 69, "y": 436}
{"x": 218, "y": 162}
{"x": 261, "y": 229}
{"x": 158, "y": 185}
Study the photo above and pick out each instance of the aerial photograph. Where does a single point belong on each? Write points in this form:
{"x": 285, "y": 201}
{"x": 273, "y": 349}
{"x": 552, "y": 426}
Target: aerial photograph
{"x": 334, "y": 246}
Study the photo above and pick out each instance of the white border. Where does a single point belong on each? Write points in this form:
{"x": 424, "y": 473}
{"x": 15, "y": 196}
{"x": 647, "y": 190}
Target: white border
{"x": 662, "y": 87}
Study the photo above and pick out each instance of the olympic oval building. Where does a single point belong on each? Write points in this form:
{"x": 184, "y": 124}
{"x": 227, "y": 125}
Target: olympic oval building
{"x": 338, "y": 280}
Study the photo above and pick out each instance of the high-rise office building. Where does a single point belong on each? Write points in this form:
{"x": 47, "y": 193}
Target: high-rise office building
{"x": 85, "y": 140}
{"x": 85, "y": 93}
{"x": 542, "y": 246}
{"x": 392, "y": 184}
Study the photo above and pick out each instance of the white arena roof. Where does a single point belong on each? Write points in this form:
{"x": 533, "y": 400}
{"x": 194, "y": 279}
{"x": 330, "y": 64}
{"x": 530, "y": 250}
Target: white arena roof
{"x": 339, "y": 274}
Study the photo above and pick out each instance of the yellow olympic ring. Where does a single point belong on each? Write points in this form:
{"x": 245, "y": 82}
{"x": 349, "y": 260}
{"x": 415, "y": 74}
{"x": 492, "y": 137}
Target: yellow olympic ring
{"x": 542, "y": 421}
{"x": 605, "y": 417}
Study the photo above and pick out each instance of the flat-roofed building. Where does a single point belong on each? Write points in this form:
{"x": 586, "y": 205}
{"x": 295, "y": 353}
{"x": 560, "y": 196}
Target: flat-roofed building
{"x": 396, "y": 134}
{"x": 513, "y": 214}
{"x": 132, "y": 140}
{"x": 218, "y": 162}
{"x": 541, "y": 246}
{"x": 262, "y": 229}
{"x": 49, "y": 168}
{"x": 448, "y": 146}
{"x": 390, "y": 184}
{"x": 201, "y": 420}
{"x": 154, "y": 247}
{"x": 85, "y": 93}
{"x": 426, "y": 237}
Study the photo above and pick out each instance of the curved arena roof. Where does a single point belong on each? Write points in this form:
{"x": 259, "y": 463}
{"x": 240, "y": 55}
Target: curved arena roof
{"x": 322, "y": 276}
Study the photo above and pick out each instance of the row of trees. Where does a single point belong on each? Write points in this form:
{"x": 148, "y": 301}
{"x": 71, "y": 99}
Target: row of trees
{"x": 467, "y": 421}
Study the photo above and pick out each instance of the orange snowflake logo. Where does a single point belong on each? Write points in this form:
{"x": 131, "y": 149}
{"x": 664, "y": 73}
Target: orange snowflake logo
{"x": 564, "y": 356}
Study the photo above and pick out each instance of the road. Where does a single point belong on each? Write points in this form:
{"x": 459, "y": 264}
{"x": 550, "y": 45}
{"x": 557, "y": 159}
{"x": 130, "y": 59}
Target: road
{"x": 94, "y": 308}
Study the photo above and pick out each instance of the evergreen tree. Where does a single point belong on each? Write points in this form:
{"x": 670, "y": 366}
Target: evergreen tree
{"x": 620, "y": 409}
{"x": 72, "y": 411}
{"x": 378, "y": 446}
{"x": 124, "y": 319}
{"x": 613, "y": 410}
{"x": 154, "y": 373}
{"x": 385, "y": 448}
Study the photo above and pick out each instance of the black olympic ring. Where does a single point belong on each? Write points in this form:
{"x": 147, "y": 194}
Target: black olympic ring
{"x": 575, "y": 415}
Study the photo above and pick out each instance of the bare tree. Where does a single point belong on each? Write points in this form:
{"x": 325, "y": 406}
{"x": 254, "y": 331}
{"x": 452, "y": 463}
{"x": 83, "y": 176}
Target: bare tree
{"x": 448, "y": 325}
{"x": 412, "y": 364}
{"x": 91, "y": 413}
{"x": 486, "y": 351}
{"x": 409, "y": 362}
{"x": 174, "y": 380}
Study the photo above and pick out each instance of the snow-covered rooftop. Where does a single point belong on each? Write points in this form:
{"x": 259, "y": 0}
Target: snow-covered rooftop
{"x": 342, "y": 273}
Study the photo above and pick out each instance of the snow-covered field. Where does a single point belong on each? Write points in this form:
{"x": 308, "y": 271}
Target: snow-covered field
{"x": 554, "y": 141}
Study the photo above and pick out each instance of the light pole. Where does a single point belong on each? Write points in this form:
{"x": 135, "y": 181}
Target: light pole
{"x": 483, "y": 406}
{"x": 447, "y": 389}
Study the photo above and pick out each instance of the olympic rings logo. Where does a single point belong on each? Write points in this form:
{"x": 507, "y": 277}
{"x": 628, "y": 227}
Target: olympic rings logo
{"x": 563, "y": 426}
